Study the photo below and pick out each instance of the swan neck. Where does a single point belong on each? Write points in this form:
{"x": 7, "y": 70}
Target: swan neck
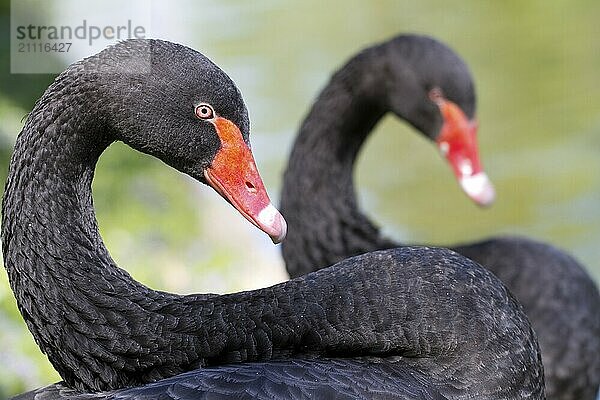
{"x": 48, "y": 197}
{"x": 318, "y": 197}
{"x": 63, "y": 277}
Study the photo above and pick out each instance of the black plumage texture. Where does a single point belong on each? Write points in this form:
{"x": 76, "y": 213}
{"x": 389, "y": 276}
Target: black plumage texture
{"x": 415, "y": 322}
{"x": 326, "y": 224}
{"x": 329, "y": 379}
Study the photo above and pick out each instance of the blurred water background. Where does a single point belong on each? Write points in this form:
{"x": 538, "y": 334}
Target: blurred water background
{"x": 536, "y": 65}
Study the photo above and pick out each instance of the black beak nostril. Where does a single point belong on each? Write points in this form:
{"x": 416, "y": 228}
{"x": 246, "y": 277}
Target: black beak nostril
{"x": 251, "y": 188}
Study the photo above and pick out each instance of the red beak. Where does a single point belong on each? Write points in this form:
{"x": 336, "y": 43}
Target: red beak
{"x": 233, "y": 174}
{"x": 458, "y": 143}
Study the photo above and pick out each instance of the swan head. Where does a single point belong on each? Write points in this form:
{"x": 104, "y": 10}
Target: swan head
{"x": 172, "y": 102}
{"x": 431, "y": 87}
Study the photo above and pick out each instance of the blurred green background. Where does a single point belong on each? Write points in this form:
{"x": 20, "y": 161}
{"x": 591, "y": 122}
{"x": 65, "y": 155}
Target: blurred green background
{"x": 536, "y": 65}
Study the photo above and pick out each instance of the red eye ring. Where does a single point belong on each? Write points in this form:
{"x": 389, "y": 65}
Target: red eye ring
{"x": 204, "y": 111}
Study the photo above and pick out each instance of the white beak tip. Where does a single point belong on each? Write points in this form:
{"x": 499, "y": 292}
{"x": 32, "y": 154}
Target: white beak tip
{"x": 272, "y": 222}
{"x": 479, "y": 188}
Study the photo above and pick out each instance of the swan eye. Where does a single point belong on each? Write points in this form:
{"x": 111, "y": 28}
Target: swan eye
{"x": 436, "y": 95}
{"x": 205, "y": 111}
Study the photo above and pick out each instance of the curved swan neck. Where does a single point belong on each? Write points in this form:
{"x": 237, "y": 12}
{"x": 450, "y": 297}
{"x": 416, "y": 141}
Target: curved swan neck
{"x": 318, "y": 196}
{"x": 103, "y": 330}
{"x": 48, "y": 190}
{"x": 100, "y": 328}
{"x": 62, "y": 275}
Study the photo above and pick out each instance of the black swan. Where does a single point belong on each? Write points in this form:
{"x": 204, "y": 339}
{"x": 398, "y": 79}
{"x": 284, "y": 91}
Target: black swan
{"x": 412, "y": 323}
{"x": 425, "y": 83}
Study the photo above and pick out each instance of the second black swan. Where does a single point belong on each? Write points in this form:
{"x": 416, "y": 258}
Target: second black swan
{"x": 428, "y": 85}
{"x": 413, "y": 323}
